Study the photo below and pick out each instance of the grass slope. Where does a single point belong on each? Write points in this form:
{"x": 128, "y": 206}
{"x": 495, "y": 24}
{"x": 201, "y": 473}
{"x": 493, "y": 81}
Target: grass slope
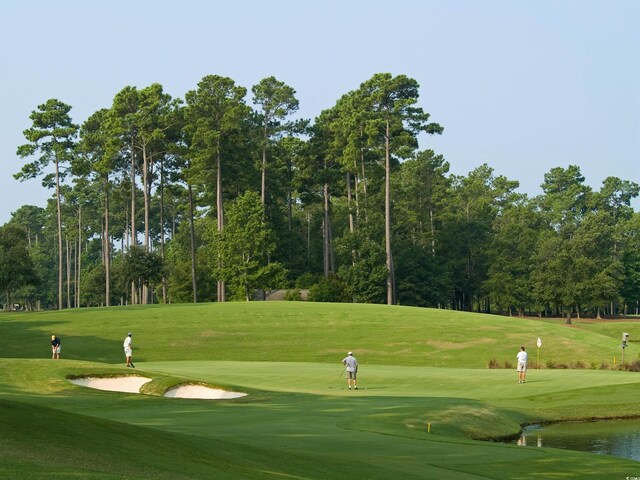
{"x": 298, "y": 420}
{"x": 307, "y": 332}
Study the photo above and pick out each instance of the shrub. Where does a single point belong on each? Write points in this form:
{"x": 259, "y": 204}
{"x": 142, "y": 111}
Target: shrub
{"x": 329, "y": 289}
{"x": 508, "y": 365}
{"x": 292, "y": 295}
{"x": 578, "y": 364}
{"x": 306, "y": 280}
{"x": 631, "y": 367}
{"x": 604, "y": 366}
{"x": 551, "y": 364}
{"x": 493, "y": 363}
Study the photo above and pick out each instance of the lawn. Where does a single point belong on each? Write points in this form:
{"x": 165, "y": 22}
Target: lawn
{"x": 420, "y": 370}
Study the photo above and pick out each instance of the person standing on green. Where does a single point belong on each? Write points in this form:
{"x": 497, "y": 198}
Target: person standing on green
{"x": 352, "y": 369}
{"x": 522, "y": 359}
{"x": 55, "y": 347}
{"x": 128, "y": 351}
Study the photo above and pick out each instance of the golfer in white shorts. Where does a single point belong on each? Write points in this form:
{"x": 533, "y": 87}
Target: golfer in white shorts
{"x": 522, "y": 359}
{"x": 128, "y": 351}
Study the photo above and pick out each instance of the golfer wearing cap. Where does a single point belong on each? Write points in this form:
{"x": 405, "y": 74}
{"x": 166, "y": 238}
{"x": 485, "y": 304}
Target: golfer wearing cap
{"x": 127, "y": 350}
{"x": 352, "y": 369}
{"x": 55, "y": 347}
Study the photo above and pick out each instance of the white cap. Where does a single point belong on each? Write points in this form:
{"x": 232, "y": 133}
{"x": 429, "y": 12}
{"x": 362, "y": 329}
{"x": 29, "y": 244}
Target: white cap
{"x": 350, "y": 353}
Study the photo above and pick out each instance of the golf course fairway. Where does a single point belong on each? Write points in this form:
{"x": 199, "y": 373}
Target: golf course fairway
{"x": 427, "y": 406}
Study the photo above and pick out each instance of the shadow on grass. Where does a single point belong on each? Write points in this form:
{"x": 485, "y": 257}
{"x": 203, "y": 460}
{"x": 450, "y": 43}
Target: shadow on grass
{"x": 33, "y": 340}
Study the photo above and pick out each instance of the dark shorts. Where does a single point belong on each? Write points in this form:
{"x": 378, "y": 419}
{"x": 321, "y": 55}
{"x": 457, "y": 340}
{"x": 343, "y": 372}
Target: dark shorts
{"x": 351, "y": 375}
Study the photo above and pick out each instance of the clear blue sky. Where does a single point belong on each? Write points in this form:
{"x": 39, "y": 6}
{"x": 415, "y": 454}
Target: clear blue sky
{"x": 524, "y": 86}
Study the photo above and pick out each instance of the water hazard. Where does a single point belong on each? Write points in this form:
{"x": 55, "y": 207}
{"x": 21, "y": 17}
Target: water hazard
{"x": 619, "y": 438}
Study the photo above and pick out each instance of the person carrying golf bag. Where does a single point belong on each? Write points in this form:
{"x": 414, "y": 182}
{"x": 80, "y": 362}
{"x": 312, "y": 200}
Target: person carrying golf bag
{"x": 352, "y": 369}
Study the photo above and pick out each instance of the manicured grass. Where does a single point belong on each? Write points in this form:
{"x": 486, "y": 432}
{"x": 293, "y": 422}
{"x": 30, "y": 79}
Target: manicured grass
{"x": 299, "y": 420}
{"x": 305, "y": 332}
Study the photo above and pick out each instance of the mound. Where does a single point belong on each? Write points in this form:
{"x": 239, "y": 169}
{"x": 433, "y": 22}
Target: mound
{"x": 128, "y": 384}
{"x": 199, "y": 391}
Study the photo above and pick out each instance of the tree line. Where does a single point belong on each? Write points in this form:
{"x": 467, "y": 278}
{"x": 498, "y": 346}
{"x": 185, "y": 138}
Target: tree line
{"x": 210, "y": 198}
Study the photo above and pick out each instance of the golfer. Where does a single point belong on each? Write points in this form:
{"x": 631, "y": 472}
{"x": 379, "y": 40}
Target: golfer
{"x": 127, "y": 350}
{"x": 522, "y": 359}
{"x": 55, "y": 347}
{"x": 352, "y": 369}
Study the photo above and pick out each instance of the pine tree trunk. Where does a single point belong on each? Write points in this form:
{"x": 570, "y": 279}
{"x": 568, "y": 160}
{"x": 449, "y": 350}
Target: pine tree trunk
{"x": 356, "y": 181}
{"x": 146, "y": 189}
{"x": 59, "y": 213}
{"x": 68, "y": 255}
{"x": 75, "y": 248}
{"x": 220, "y": 212}
{"x": 164, "y": 279}
{"x": 387, "y": 219}
{"x": 433, "y": 232}
{"x": 325, "y": 231}
{"x": 263, "y": 180}
{"x": 289, "y": 196}
{"x": 132, "y": 227}
{"x": 132, "y": 237}
{"x": 107, "y": 244}
{"x": 364, "y": 186}
{"x": 308, "y": 236}
{"x": 193, "y": 245}
{"x": 79, "y": 263}
{"x": 349, "y": 202}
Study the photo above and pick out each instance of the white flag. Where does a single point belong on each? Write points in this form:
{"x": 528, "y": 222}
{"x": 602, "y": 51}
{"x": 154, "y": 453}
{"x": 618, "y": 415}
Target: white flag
{"x": 539, "y": 342}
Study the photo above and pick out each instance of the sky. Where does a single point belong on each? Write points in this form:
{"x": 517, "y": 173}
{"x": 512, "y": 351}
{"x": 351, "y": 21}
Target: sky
{"x": 523, "y": 86}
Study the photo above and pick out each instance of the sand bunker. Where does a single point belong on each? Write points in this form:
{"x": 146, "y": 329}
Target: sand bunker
{"x": 128, "y": 384}
{"x": 199, "y": 391}
{"x": 132, "y": 384}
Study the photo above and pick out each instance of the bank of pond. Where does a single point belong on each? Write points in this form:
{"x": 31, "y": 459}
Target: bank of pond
{"x": 619, "y": 438}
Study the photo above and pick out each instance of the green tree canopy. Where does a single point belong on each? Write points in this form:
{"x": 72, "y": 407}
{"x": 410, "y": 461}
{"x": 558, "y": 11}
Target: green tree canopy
{"x": 245, "y": 246}
{"x": 16, "y": 267}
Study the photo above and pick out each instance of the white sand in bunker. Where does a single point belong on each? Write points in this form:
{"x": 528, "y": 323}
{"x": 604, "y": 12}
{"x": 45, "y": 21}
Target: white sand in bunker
{"x": 199, "y": 391}
{"x": 128, "y": 384}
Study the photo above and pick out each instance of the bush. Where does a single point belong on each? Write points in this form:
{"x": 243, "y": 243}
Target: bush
{"x": 329, "y": 289}
{"x": 604, "y": 366}
{"x": 508, "y": 365}
{"x": 578, "y": 364}
{"x": 292, "y": 295}
{"x": 306, "y": 280}
{"x": 631, "y": 367}
{"x": 493, "y": 363}
{"x": 551, "y": 364}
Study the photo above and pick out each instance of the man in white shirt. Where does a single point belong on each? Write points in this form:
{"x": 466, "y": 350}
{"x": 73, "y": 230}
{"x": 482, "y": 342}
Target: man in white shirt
{"x": 128, "y": 351}
{"x": 522, "y": 358}
{"x": 352, "y": 369}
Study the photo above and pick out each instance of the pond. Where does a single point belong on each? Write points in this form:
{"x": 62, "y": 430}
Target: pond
{"x": 620, "y": 438}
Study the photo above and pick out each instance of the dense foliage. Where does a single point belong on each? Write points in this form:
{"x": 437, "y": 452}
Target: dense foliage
{"x": 163, "y": 200}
